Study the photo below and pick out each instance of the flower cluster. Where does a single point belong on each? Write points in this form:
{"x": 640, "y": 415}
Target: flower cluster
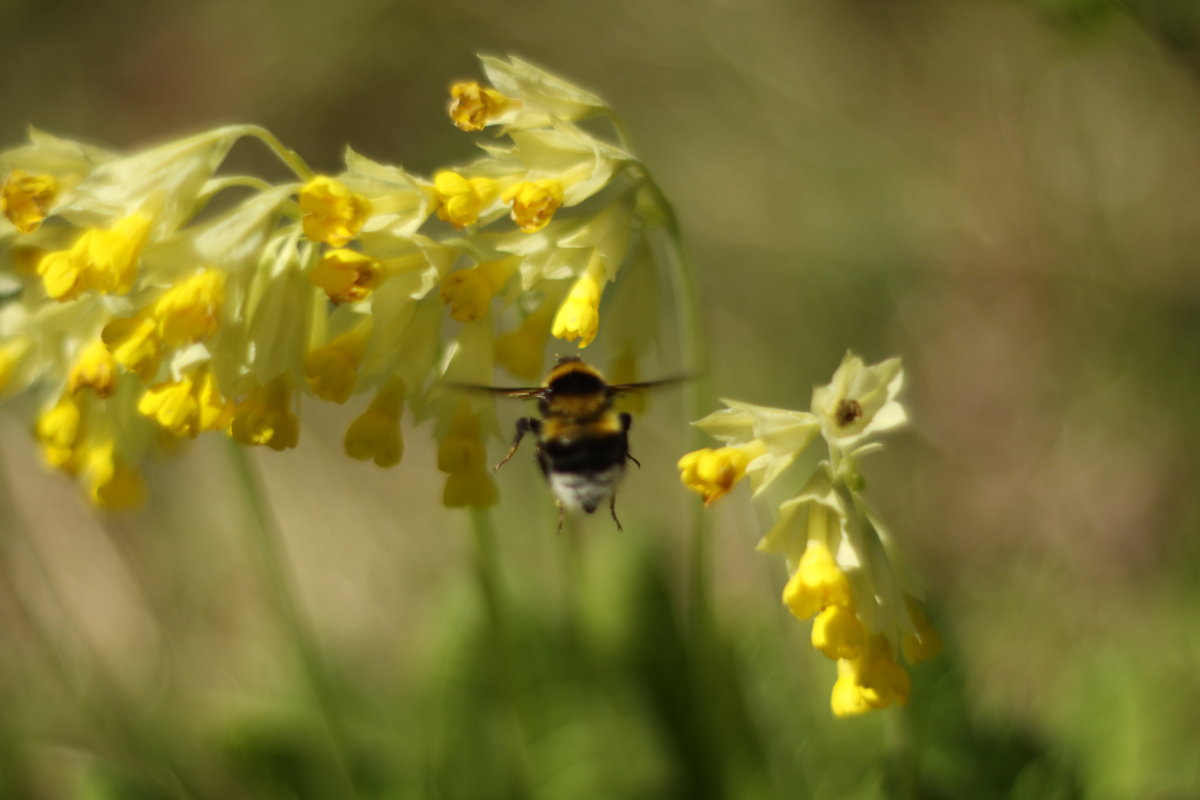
{"x": 136, "y": 308}
{"x": 845, "y": 573}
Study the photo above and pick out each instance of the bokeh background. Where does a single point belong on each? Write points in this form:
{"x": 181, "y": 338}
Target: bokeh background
{"x": 1002, "y": 193}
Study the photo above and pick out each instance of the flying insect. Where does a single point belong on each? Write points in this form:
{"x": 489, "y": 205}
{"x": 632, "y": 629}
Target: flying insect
{"x": 583, "y": 441}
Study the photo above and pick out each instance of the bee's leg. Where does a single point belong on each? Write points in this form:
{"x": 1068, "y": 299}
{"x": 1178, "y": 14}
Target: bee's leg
{"x": 626, "y": 424}
{"x": 612, "y": 506}
{"x": 524, "y": 425}
{"x": 562, "y": 515}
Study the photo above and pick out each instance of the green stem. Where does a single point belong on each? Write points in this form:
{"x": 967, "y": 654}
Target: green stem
{"x": 270, "y": 549}
{"x": 289, "y": 157}
{"x": 218, "y": 185}
{"x": 697, "y": 394}
{"x": 902, "y": 753}
{"x": 487, "y": 568}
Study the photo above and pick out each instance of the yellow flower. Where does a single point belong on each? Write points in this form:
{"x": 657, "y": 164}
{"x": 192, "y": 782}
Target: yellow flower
{"x": 579, "y": 315}
{"x": 872, "y": 681}
{"x": 26, "y": 199}
{"x": 113, "y": 255}
{"x": 96, "y": 369}
{"x": 520, "y": 351}
{"x": 375, "y": 434}
{"x": 785, "y": 434}
{"x": 112, "y": 484}
{"x": 838, "y": 632}
{"x": 713, "y": 472}
{"x": 135, "y": 344}
{"x": 817, "y": 583}
{"x": 188, "y": 406}
{"x": 331, "y": 370}
{"x": 847, "y": 699}
{"x": 332, "y": 213}
{"x": 469, "y": 292}
{"x": 463, "y": 457}
{"x": 60, "y": 430}
{"x": 472, "y": 106}
{"x": 190, "y": 310}
{"x": 101, "y": 260}
{"x": 347, "y": 276}
{"x": 534, "y": 203}
{"x": 461, "y": 200}
{"x": 63, "y": 274}
{"x": 12, "y": 352}
{"x": 265, "y": 417}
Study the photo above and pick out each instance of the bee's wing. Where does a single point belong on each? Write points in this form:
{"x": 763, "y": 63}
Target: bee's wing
{"x": 619, "y": 388}
{"x": 508, "y": 391}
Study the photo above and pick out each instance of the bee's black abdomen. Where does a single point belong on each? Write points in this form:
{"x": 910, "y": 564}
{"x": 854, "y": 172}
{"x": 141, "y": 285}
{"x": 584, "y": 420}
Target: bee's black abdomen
{"x": 590, "y": 455}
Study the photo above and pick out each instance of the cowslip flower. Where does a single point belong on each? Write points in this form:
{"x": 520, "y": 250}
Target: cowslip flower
{"x": 473, "y": 107}
{"x": 133, "y": 317}
{"x": 760, "y": 442}
{"x": 104, "y": 261}
{"x": 534, "y": 97}
{"x": 713, "y": 472}
{"x": 332, "y": 213}
{"x": 521, "y": 351}
{"x": 859, "y": 402}
{"x": 469, "y": 292}
{"x": 534, "y": 203}
{"x": 347, "y": 276}
{"x": 462, "y": 200}
{"x": 843, "y": 569}
{"x": 578, "y": 318}
{"x": 463, "y": 457}
{"x": 332, "y": 369}
{"x": 265, "y": 416}
{"x": 375, "y": 434}
{"x": 188, "y": 406}
{"x": 96, "y": 369}
{"x": 25, "y": 199}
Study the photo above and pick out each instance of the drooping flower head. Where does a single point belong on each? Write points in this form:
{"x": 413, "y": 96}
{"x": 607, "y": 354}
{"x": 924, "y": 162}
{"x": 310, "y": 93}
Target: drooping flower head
{"x": 843, "y": 568}
{"x": 139, "y": 320}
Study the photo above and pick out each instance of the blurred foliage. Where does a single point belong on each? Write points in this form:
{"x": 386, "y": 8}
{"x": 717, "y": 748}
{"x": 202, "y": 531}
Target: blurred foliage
{"x": 1001, "y": 192}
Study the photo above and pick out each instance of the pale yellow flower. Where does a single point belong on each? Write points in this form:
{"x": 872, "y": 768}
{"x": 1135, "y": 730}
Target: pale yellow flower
{"x": 95, "y": 369}
{"x": 859, "y": 401}
{"x": 784, "y": 435}
{"x": 26, "y": 199}
{"x": 579, "y": 315}
{"x": 521, "y": 351}
{"x": 712, "y": 473}
{"x": 534, "y": 203}
{"x": 332, "y": 369}
{"x": 473, "y": 107}
{"x": 469, "y": 292}
{"x": 332, "y": 213}
{"x": 462, "y": 200}
{"x": 463, "y": 457}
{"x": 375, "y": 434}
{"x": 347, "y": 276}
{"x": 105, "y": 261}
{"x": 265, "y": 417}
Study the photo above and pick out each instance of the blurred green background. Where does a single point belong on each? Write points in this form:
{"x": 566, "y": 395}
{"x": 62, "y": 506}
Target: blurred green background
{"x": 1002, "y": 193}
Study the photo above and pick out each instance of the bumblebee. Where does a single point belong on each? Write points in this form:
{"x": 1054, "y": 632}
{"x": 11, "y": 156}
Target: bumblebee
{"x": 583, "y": 442}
